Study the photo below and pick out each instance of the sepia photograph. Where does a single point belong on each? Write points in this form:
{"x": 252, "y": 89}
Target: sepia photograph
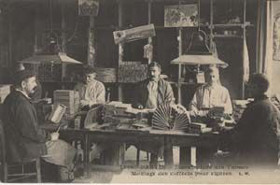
{"x": 140, "y": 91}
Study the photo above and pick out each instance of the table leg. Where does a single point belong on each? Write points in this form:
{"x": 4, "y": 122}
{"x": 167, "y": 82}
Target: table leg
{"x": 193, "y": 156}
{"x": 185, "y": 156}
{"x": 122, "y": 154}
{"x": 137, "y": 157}
{"x": 86, "y": 155}
{"x": 168, "y": 153}
{"x": 114, "y": 155}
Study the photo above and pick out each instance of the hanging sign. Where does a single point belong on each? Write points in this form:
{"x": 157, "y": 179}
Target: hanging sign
{"x": 88, "y": 7}
{"x": 136, "y": 33}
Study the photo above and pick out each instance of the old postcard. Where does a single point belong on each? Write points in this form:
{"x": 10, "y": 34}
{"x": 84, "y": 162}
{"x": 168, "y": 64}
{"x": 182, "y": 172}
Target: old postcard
{"x": 140, "y": 91}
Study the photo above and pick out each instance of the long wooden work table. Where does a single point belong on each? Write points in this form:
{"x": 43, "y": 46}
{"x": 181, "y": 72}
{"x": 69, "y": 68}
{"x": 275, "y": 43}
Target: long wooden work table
{"x": 117, "y": 138}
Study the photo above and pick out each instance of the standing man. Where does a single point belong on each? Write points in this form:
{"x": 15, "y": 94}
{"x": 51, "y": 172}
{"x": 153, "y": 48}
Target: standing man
{"x": 24, "y": 138}
{"x": 91, "y": 91}
{"x": 256, "y": 135}
{"x": 153, "y": 91}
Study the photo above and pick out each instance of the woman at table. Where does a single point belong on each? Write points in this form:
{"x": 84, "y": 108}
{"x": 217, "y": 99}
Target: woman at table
{"x": 212, "y": 94}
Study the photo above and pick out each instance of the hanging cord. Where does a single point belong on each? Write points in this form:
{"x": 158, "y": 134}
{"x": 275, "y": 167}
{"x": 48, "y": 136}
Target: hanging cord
{"x": 198, "y": 22}
{"x": 51, "y": 16}
{"x": 52, "y": 33}
{"x": 74, "y": 32}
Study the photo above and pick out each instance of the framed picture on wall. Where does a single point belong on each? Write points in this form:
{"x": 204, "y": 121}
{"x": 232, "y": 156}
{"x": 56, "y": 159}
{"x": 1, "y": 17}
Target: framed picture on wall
{"x": 181, "y": 15}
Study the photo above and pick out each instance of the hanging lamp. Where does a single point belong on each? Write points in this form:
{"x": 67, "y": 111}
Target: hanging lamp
{"x": 198, "y": 53}
{"x": 51, "y": 53}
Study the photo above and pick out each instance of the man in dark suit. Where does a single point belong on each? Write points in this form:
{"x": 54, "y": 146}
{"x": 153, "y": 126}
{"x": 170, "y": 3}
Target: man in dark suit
{"x": 25, "y": 140}
{"x": 256, "y": 135}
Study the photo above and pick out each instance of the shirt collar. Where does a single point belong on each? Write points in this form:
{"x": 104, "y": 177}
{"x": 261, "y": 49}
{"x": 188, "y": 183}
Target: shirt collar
{"x": 90, "y": 83}
{"x": 24, "y": 93}
{"x": 212, "y": 86}
{"x": 154, "y": 80}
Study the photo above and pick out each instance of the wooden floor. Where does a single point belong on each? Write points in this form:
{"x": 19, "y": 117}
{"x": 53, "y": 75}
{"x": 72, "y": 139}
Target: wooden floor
{"x": 108, "y": 174}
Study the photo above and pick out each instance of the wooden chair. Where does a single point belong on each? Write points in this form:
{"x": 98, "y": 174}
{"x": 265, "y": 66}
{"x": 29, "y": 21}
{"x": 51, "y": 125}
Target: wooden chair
{"x": 12, "y": 172}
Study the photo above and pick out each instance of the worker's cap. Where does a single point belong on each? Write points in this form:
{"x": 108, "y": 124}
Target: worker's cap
{"x": 23, "y": 75}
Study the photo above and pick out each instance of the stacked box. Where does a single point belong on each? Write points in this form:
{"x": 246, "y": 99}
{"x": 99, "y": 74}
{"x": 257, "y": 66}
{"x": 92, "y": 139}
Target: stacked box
{"x": 5, "y": 89}
{"x": 199, "y": 128}
{"x": 69, "y": 98}
{"x": 115, "y": 112}
{"x": 116, "y": 108}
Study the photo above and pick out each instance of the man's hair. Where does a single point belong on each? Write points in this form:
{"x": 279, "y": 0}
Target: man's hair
{"x": 154, "y": 64}
{"x": 261, "y": 81}
{"x": 88, "y": 70}
{"x": 21, "y": 76}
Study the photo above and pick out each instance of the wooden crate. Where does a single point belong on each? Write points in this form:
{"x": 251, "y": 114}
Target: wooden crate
{"x": 69, "y": 98}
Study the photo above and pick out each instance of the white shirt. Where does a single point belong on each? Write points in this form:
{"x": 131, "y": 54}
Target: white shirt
{"x": 153, "y": 93}
{"x": 207, "y": 97}
{"x": 94, "y": 92}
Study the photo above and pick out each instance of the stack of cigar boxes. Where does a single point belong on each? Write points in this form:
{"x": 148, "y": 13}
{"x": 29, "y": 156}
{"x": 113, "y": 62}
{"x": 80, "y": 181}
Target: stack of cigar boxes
{"x": 69, "y": 98}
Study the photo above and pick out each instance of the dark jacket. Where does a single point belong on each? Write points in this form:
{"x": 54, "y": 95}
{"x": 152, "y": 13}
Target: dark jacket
{"x": 255, "y": 135}
{"x": 165, "y": 93}
{"x": 24, "y": 138}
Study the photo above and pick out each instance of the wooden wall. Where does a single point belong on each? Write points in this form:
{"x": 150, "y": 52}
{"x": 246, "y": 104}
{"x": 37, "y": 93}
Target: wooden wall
{"x": 25, "y": 25}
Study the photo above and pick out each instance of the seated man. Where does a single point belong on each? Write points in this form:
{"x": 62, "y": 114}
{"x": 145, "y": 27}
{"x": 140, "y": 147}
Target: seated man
{"x": 150, "y": 94}
{"x": 153, "y": 91}
{"x": 210, "y": 95}
{"x": 255, "y": 136}
{"x": 91, "y": 91}
{"x": 24, "y": 138}
{"x": 206, "y": 98}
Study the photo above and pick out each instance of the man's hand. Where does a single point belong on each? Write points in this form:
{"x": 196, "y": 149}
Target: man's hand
{"x": 84, "y": 103}
{"x": 54, "y": 136}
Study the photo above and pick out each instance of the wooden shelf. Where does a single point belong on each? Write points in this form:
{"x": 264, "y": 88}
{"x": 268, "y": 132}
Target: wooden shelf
{"x": 163, "y": 27}
{"x": 232, "y": 25}
{"x": 184, "y": 83}
{"x": 227, "y": 36}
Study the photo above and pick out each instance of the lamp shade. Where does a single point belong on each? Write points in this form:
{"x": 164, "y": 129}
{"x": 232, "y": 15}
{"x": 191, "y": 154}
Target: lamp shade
{"x": 59, "y": 58}
{"x": 199, "y": 60}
